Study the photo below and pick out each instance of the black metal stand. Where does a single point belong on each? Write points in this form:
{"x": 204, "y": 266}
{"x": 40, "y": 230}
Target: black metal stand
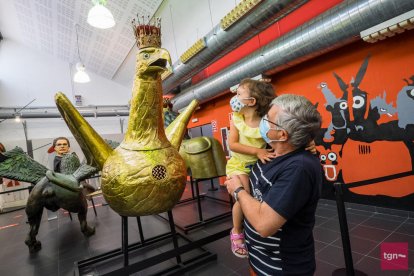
{"x": 93, "y": 205}
{"x": 346, "y": 244}
{"x": 178, "y": 269}
{"x": 193, "y": 196}
{"x": 213, "y": 188}
{"x": 197, "y": 196}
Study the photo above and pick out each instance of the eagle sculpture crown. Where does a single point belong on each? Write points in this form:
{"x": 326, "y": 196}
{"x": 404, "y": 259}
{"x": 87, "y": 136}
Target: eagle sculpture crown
{"x": 147, "y": 35}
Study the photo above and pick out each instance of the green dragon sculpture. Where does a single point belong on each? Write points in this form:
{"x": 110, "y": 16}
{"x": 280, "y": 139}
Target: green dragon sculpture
{"x": 51, "y": 191}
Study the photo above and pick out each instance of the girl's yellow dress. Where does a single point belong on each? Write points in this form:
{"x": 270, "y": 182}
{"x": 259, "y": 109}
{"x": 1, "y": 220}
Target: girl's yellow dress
{"x": 239, "y": 163}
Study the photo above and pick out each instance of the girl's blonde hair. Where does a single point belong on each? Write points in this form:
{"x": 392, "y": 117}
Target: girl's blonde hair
{"x": 263, "y": 92}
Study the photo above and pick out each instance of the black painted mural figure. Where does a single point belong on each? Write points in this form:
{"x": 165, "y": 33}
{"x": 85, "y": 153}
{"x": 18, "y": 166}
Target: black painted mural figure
{"x": 375, "y": 160}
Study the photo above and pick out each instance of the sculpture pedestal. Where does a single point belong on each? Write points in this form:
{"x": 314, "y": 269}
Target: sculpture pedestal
{"x": 197, "y": 197}
{"x": 121, "y": 255}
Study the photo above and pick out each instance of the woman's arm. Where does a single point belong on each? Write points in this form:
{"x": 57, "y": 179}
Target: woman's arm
{"x": 260, "y": 215}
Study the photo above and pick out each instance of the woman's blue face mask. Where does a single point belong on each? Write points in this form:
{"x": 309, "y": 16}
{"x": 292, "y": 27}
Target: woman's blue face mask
{"x": 264, "y": 128}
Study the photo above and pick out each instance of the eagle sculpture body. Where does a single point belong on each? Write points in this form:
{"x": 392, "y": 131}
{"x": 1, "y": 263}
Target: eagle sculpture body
{"x": 145, "y": 174}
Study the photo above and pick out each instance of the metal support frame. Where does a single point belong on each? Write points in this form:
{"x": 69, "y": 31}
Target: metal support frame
{"x": 177, "y": 269}
{"x": 197, "y": 196}
{"x": 93, "y": 206}
{"x": 16, "y": 190}
{"x": 213, "y": 188}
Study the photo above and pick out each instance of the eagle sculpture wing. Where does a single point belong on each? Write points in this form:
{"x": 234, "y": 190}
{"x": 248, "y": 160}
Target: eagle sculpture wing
{"x": 16, "y": 164}
{"x": 94, "y": 148}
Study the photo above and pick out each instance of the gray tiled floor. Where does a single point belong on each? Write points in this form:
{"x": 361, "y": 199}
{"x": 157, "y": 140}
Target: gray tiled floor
{"x": 63, "y": 243}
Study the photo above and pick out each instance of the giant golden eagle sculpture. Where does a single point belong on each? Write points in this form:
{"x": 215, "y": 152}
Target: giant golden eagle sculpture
{"x": 145, "y": 174}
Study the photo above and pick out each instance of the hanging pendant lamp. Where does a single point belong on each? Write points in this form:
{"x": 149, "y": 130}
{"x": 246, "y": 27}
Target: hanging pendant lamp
{"x": 99, "y": 16}
{"x": 80, "y": 76}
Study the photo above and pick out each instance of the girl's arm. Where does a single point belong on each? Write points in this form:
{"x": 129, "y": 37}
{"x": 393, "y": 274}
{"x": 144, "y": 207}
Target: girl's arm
{"x": 311, "y": 147}
{"x": 263, "y": 154}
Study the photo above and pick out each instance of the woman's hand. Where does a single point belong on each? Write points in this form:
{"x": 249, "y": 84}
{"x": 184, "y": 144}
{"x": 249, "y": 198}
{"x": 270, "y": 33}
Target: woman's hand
{"x": 311, "y": 147}
{"x": 265, "y": 155}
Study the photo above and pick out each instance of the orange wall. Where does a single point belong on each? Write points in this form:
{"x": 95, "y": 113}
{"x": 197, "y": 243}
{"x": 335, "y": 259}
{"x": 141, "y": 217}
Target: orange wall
{"x": 391, "y": 61}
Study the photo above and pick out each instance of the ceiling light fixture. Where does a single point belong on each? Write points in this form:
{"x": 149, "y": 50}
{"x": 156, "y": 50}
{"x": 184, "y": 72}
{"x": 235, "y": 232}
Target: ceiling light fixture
{"x": 80, "y": 76}
{"x": 99, "y": 16}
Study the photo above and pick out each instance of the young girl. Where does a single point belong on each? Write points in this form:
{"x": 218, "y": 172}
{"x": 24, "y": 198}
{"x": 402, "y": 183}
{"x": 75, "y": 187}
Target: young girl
{"x": 249, "y": 105}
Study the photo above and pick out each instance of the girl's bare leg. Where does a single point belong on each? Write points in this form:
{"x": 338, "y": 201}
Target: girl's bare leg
{"x": 238, "y": 214}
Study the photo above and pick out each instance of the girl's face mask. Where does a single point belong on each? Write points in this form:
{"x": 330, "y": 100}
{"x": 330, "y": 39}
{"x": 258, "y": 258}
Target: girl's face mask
{"x": 236, "y": 105}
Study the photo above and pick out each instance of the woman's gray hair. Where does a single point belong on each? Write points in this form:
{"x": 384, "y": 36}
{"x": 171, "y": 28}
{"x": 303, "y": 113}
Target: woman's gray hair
{"x": 299, "y": 117}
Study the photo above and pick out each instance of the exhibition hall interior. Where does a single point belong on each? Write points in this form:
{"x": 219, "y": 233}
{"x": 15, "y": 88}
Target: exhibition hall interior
{"x": 182, "y": 137}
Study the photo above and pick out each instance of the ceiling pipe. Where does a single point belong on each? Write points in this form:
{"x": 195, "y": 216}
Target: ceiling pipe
{"x": 52, "y": 112}
{"x": 220, "y": 42}
{"x": 335, "y": 28}
{"x": 36, "y": 115}
{"x": 3, "y": 108}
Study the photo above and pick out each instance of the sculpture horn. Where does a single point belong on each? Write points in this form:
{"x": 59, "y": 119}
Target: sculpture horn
{"x": 175, "y": 131}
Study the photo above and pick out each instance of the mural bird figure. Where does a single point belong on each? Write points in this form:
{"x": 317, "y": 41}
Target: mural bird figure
{"x": 145, "y": 174}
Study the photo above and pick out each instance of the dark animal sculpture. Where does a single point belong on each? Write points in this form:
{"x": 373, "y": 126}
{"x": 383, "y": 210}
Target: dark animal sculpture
{"x": 51, "y": 191}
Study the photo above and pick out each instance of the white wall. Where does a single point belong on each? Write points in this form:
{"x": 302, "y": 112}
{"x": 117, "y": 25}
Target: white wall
{"x": 27, "y": 74}
{"x": 42, "y": 135}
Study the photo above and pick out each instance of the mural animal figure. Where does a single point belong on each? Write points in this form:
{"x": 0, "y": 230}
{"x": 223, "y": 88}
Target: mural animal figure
{"x": 405, "y": 104}
{"x": 366, "y": 138}
{"x": 359, "y": 111}
{"x": 51, "y": 191}
{"x": 330, "y": 161}
{"x": 338, "y": 107}
{"x": 362, "y": 121}
{"x": 380, "y": 105}
{"x": 145, "y": 174}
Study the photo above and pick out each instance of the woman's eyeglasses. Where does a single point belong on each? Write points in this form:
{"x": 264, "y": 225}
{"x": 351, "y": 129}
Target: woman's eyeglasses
{"x": 62, "y": 145}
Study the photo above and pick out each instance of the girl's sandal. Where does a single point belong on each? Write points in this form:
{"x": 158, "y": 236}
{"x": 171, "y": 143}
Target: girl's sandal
{"x": 238, "y": 249}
